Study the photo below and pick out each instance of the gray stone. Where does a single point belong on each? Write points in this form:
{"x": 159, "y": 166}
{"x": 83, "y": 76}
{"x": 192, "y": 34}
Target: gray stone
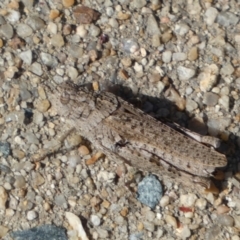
{"x": 152, "y": 26}
{"x": 6, "y": 31}
{"x": 25, "y": 94}
{"x": 45, "y": 232}
{"x": 36, "y": 23}
{"x": 57, "y": 40}
{"x": 181, "y": 29}
{"x": 23, "y": 30}
{"x": 179, "y": 56}
{"x": 210, "y": 99}
{"x": 150, "y": 191}
{"x": 36, "y": 69}
{"x": 167, "y": 56}
{"x": 227, "y": 69}
{"x": 5, "y": 148}
{"x": 60, "y": 200}
{"x": 191, "y": 105}
{"x": 226, "y": 19}
{"x": 210, "y": 15}
{"x": 138, "y": 3}
{"x": 185, "y": 73}
{"x": 75, "y": 51}
{"x": 130, "y": 45}
{"x": 224, "y": 101}
{"x": 49, "y": 60}
{"x": 26, "y": 56}
{"x": 226, "y": 220}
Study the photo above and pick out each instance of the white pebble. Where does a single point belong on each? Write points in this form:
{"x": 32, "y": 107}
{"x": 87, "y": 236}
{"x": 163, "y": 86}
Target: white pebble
{"x": 224, "y": 101}
{"x": 188, "y": 200}
{"x": 113, "y": 23}
{"x": 81, "y": 31}
{"x": 179, "y": 56}
{"x": 109, "y": 11}
{"x": 210, "y": 15}
{"x": 201, "y": 203}
{"x": 31, "y": 215}
{"x": 183, "y": 232}
{"x": 95, "y": 220}
{"x": 185, "y": 73}
{"x": 138, "y": 67}
{"x": 167, "y": 56}
{"x": 13, "y": 16}
{"x": 171, "y": 220}
{"x": 52, "y": 28}
{"x": 164, "y": 201}
{"x": 143, "y": 52}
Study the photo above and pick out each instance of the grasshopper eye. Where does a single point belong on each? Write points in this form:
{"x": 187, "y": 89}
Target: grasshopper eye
{"x": 65, "y": 98}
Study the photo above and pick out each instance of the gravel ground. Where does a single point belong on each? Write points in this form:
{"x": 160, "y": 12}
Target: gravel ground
{"x": 179, "y": 59}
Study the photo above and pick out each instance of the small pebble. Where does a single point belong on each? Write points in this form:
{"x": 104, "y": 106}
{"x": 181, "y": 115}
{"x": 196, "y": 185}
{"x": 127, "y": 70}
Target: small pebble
{"x": 181, "y": 29}
{"x": 164, "y": 201}
{"x": 227, "y": 69}
{"x": 188, "y": 200}
{"x": 3, "y": 197}
{"x": 222, "y": 209}
{"x": 13, "y": 16}
{"x": 180, "y": 56}
{"x": 226, "y": 19}
{"x": 123, "y": 16}
{"x": 36, "y": 23}
{"x": 60, "y": 201}
{"x": 171, "y": 221}
{"x": 201, "y": 203}
{"x": 225, "y": 220}
{"x": 127, "y": 62}
{"x": 57, "y": 41}
{"x": 72, "y": 73}
{"x": 95, "y": 220}
{"x": 43, "y": 105}
{"x": 156, "y": 41}
{"x": 6, "y": 31}
{"x": 138, "y": 3}
{"x": 210, "y": 99}
{"x": 152, "y": 26}
{"x": 166, "y": 37}
{"x": 68, "y": 3}
{"x": 149, "y": 191}
{"x": 20, "y": 182}
{"x": 26, "y": 56}
{"x": 31, "y": 215}
{"x": 44, "y": 232}
{"x": 138, "y": 67}
{"x": 3, "y": 231}
{"x": 224, "y": 101}
{"x": 185, "y": 73}
{"x": 167, "y": 56}
{"x": 193, "y": 54}
{"x": 83, "y": 150}
{"x": 183, "y": 232}
{"x": 130, "y": 46}
{"x": 81, "y": 31}
{"x": 208, "y": 77}
{"x": 191, "y": 105}
{"x": 54, "y": 13}
{"x": 67, "y": 29}
{"x": 210, "y": 15}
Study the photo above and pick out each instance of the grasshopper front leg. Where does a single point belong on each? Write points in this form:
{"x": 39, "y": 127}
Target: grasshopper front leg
{"x": 47, "y": 151}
